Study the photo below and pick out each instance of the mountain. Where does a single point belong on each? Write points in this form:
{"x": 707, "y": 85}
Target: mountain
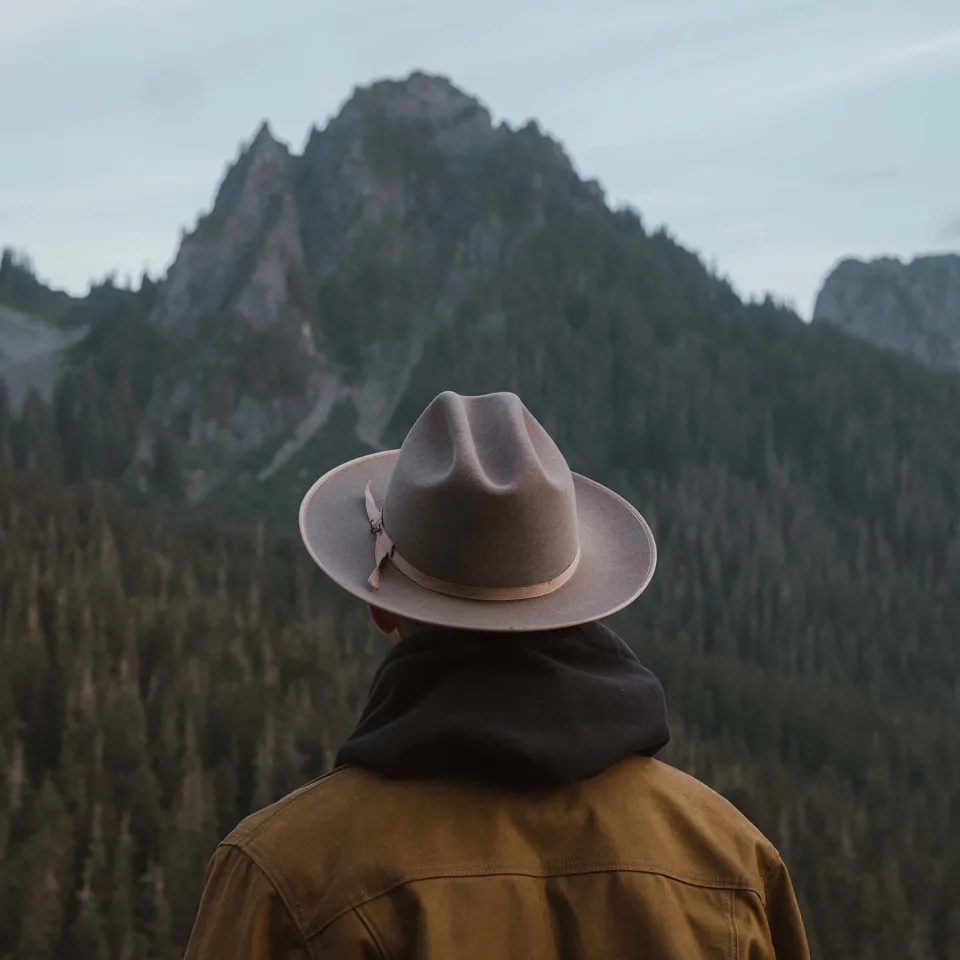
{"x": 913, "y": 308}
{"x": 801, "y": 484}
{"x": 302, "y": 306}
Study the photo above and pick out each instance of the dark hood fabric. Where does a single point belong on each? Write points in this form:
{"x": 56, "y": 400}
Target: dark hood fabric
{"x": 527, "y": 710}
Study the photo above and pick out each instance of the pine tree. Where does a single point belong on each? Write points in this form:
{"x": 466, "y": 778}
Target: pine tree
{"x": 45, "y": 860}
{"x": 121, "y": 920}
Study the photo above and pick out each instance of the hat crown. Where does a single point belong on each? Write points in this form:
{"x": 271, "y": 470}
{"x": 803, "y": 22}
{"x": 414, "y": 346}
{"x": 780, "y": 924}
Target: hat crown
{"x": 481, "y": 495}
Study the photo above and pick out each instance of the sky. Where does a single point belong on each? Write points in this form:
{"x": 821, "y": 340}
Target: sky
{"x": 773, "y": 137}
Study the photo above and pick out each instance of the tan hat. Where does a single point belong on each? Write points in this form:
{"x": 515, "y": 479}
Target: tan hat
{"x": 477, "y": 523}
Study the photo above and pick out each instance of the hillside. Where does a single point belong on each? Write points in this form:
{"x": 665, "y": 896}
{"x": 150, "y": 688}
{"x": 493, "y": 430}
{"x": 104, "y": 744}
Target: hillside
{"x": 158, "y": 684}
{"x": 913, "y": 308}
{"x": 164, "y": 680}
{"x": 801, "y": 483}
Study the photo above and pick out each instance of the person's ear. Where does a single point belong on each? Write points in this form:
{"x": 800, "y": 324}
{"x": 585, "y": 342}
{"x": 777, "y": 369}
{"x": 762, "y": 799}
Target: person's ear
{"x": 386, "y": 622}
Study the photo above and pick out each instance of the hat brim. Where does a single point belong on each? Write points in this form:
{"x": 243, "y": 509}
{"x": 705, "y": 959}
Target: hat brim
{"x": 618, "y": 556}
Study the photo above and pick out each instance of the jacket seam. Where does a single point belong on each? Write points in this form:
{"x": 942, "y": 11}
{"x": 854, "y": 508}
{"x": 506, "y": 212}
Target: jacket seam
{"x": 241, "y": 835}
{"x": 284, "y": 892}
{"x": 279, "y": 883}
{"x": 734, "y": 932}
{"x": 560, "y": 870}
{"x": 773, "y": 865}
{"x": 756, "y": 893}
{"x": 372, "y": 932}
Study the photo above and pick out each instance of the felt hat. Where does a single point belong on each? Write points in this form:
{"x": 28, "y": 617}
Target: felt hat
{"x": 478, "y": 523}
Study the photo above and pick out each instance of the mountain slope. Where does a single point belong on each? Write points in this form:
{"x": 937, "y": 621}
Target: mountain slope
{"x": 32, "y": 341}
{"x": 913, "y": 307}
{"x": 32, "y": 354}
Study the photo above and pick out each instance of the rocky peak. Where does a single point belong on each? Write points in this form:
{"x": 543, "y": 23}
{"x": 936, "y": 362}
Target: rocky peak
{"x": 264, "y": 139}
{"x": 254, "y": 207}
{"x": 305, "y": 300}
{"x": 418, "y": 97}
{"x": 431, "y": 98}
{"x": 913, "y": 307}
{"x": 454, "y": 122}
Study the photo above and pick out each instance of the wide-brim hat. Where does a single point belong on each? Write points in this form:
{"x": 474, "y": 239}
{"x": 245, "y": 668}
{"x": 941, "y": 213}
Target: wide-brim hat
{"x": 477, "y": 523}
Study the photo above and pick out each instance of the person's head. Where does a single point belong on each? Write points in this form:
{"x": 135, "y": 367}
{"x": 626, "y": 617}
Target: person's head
{"x": 476, "y": 523}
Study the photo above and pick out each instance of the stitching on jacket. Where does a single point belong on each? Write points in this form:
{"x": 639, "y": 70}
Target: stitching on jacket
{"x": 734, "y": 932}
{"x": 371, "y": 932}
{"x": 766, "y": 872}
{"x": 548, "y": 870}
{"x": 280, "y": 885}
{"x": 241, "y": 833}
{"x": 279, "y": 882}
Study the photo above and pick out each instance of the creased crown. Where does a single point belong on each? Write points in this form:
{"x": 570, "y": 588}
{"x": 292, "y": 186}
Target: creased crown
{"x": 481, "y": 496}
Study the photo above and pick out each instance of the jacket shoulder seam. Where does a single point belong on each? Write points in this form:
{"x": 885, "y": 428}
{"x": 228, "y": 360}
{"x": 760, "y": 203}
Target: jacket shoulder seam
{"x": 276, "y": 880}
{"x": 243, "y": 834}
{"x": 545, "y": 871}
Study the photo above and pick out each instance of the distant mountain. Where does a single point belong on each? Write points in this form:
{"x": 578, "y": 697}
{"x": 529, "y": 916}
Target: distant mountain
{"x": 802, "y": 484}
{"x": 913, "y": 308}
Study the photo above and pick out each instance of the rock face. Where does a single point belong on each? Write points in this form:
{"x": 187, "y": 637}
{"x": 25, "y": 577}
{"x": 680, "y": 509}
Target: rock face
{"x": 308, "y": 294}
{"x": 238, "y": 305}
{"x": 913, "y": 308}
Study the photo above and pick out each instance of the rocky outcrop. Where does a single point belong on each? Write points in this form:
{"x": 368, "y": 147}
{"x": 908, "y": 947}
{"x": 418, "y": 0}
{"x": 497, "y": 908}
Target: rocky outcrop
{"x": 245, "y": 253}
{"x": 913, "y": 308}
{"x": 237, "y": 302}
{"x": 310, "y": 290}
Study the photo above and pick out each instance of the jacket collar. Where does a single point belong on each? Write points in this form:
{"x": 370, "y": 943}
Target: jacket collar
{"x": 521, "y": 710}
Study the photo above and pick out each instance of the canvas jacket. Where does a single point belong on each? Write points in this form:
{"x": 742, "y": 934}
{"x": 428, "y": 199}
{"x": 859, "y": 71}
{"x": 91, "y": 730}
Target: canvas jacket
{"x": 500, "y": 798}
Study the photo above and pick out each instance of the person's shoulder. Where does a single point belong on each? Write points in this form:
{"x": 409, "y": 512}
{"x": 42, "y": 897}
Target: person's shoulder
{"x": 703, "y": 801}
{"x": 307, "y": 845}
{"x": 316, "y": 806}
{"x": 695, "y": 827}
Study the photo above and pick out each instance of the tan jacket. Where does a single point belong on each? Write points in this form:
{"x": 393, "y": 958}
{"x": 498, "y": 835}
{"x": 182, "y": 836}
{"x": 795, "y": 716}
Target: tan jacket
{"x": 640, "y": 861}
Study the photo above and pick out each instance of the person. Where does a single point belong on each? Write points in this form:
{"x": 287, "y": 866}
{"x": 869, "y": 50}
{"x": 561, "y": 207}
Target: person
{"x": 500, "y": 796}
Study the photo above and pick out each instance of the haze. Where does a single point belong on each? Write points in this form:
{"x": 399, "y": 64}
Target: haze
{"x": 773, "y": 137}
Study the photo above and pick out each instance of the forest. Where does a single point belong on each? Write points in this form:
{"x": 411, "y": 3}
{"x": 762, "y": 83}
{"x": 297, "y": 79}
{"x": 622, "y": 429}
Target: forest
{"x": 163, "y": 678}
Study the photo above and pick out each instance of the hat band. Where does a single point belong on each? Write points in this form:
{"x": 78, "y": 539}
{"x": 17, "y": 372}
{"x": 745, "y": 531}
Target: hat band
{"x": 385, "y": 549}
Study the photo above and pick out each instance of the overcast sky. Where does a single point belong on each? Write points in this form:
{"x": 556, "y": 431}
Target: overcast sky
{"x": 773, "y": 137}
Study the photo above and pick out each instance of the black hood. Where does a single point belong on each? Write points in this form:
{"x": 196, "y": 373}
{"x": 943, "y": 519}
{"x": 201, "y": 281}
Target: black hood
{"x": 522, "y": 709}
